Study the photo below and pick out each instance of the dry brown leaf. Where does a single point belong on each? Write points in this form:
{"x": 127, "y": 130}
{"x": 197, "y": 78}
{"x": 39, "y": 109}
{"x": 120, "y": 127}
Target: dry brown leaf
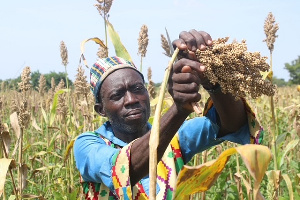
{"x": 237, "y": 179}
{"x": 4, "y": 166}
{"x": 6, "y": 138}
{"x": 200, "y": 178}
{"x": 97, "y": 41}
{"x": 24, "y": 172}
{"x": 274, "y": 175}
{"x": 15, "y": 124}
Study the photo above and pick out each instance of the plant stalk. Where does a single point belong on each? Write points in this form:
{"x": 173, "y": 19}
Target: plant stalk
{"x": 154, "y": 136}
{"x": 274, "y": 127}
{"x": 105, "y": 30}
{"x": 141, "y": 66}
{"x": 20, "y": 163}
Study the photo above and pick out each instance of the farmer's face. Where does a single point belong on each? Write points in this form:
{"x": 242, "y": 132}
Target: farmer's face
{"x": 125, "y": 100}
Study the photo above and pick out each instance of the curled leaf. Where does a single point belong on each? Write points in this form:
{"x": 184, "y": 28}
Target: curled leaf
{"x": 4, "y": 166}
{"x": 97, "y": 41}
{"x": 200, "y": 178}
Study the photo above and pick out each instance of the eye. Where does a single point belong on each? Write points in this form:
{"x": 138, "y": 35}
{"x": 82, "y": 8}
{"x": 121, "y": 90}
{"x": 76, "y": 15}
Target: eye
{"x": 139, "y": 88}
{"x": 116, "y": 96}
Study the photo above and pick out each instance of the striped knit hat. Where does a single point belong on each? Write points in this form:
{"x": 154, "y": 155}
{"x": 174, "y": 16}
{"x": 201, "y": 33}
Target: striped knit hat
{"x": 105, "y": 66}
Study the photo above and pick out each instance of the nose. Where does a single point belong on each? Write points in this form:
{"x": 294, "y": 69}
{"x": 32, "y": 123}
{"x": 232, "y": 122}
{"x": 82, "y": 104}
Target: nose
{"x": 130, "y": 98}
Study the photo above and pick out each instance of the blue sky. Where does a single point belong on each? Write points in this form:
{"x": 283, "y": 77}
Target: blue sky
{"x": 32, "y": 30}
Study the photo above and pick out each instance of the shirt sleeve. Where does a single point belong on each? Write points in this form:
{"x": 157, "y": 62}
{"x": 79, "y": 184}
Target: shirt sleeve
{"x": 200, "y": 133}
{"x": 94, "y": 159}
{"x": 100, "y": 163}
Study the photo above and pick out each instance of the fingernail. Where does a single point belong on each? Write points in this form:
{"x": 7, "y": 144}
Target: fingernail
{"x": 183, "y": 46}
{"x": 202, "y": 47}
{"x": 202, "y": 68}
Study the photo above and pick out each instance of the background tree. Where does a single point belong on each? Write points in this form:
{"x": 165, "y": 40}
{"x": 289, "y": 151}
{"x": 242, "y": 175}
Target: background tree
{"x": 279, "y": 81}
{"x": 294, "y": 70}
{"x": 35, "y": 76}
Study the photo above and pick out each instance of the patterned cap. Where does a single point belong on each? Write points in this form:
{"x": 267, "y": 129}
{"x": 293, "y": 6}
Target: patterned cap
{"x": 105, "y": 66}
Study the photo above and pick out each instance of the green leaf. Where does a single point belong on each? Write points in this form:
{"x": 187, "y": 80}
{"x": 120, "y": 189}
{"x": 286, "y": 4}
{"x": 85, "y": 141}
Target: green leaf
{"x": 73, "y": 195}
{"x": 115, "y": 39}
{"x": 12, "y": 197}
{"x": 289, "y": 185}
{"x": 267, "y": 74}
{"x": 280, "y": 138}
{"x": 291, "y": 145}
{"x": 39, "y": 143}
{"x": 151, "y": 120}
{"x": 58, "y": 195}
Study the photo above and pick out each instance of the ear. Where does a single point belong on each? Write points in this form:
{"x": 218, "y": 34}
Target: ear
{"x": 98, "y": 107}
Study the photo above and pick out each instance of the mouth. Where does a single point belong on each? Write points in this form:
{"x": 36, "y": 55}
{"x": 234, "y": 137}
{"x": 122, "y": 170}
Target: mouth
{"x": 134, "y": 114}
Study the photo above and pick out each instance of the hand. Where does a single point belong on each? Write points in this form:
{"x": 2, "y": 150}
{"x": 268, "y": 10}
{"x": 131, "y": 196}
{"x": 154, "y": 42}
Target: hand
{"x": 191, "y": 41}
{"x": 184, "y": 82}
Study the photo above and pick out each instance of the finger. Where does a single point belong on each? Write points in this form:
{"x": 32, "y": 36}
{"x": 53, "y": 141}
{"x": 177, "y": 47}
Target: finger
{"x": 201, "y": 72}
{"x": 188, "y": 54}
{"x": 189, "y": 40}
{"x": 186, "y": 88}
{"x": 186, "y": 69}
{"x": 185, "y": 78}
{"x": 207, "y": 38}
{"x": 203, "y": 79}
{"x": 180, "y": 44}
{"x": 177, "y": 67}
{"x": 191, "y": 55}
{"x": 201, "y": 44}
{"x": 194, "y": 65}
{"x": 186, "y": 97}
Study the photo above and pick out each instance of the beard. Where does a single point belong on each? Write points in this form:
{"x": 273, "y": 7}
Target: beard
{"x": 128, "y": 128}
{"x": 123, "y": 126}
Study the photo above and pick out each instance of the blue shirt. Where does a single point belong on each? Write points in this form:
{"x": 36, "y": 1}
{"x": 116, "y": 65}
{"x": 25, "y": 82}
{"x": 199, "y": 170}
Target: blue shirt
{"x": 94, "y": 158}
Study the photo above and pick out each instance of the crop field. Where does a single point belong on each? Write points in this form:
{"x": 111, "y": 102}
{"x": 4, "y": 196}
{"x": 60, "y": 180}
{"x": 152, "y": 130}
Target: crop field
{"x": 39, "y": 124}
{"x": 39, "y": 128}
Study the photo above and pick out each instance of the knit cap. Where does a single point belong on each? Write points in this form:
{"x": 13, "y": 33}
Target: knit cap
{"x": 105, "y": 66}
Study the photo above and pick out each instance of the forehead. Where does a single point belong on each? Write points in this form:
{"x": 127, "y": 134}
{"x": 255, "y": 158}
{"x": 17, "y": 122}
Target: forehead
{"x": 118, "y": 78}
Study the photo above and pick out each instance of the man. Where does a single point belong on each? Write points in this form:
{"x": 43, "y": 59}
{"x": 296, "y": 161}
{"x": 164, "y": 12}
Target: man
{"x": 114, "y": 160}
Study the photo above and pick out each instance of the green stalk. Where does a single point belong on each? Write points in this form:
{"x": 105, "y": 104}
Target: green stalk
{"x": 20, "y": 163}
{"x": 154, "y": 136}
{"x": 274, "y": 127}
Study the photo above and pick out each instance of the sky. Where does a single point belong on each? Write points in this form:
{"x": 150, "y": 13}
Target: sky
{"x": 31, "y": 31}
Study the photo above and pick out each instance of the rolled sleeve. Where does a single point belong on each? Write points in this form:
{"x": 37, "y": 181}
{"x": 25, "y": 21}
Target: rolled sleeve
{"x": 201, "y": 133}
{"x": 94, "y": 159}
{"x": 196, "y": 135}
